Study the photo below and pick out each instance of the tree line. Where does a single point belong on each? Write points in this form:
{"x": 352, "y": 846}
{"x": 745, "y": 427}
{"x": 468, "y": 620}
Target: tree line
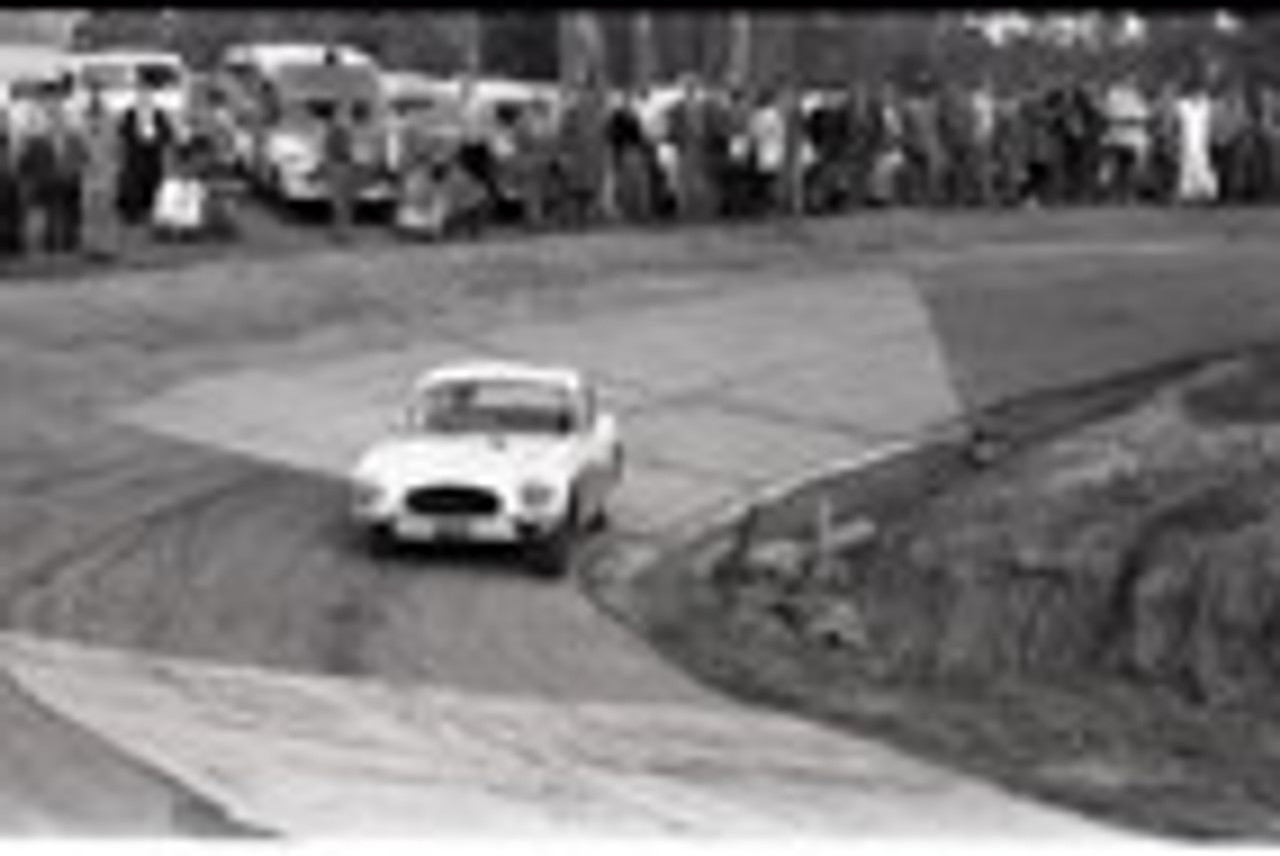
{"x": 810, "y": 48}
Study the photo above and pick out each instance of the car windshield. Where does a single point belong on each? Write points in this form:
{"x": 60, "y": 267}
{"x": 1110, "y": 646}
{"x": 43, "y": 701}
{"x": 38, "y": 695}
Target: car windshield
{"x": 158, "y": 75}
{"x": 494, "y": 407}
{"x": 112, "y": 75}
{"x": 108, "y": 76}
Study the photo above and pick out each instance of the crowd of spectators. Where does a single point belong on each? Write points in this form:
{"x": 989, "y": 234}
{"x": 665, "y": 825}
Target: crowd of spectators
{"x": 76, "y": 178}
{"x": 699, "y": 152}
{"x": 73, "y": 181}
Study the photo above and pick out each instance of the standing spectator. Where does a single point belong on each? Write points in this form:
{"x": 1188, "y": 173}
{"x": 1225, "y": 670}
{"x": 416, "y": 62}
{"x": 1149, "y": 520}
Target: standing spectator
{"x": 1080, "y": 129}
{"x": 52, "y": 166}
{"x": 889, "y": 164}
{"x": 1009, "y": 146}
{"x": 740, "y": 176}
{"x": 1058, "y": 141}
{"x": 102, "y": 161}
{"x": 863, "y": 133}
{"x": 926, "y": 158}
{"x": 629, "y": 155}
{"x": 583, "y": 156}
{"x": 1165, "y": 134}
{"x": 535, "y": 153}
{"x": 146, "y": 137}
{"x": 1226, "y": 135}
{"x": 1127, "y": 140}
{"x": 1039, "y": 148}
{"x": 1249, "y": 147}
{"x": 12, "y": 214}
{"x": 504, "y": 142}
{"x": 767, "y": 129}
{"x": 827, "y": 129}
{"x": 717, "y": 136}
{"x": 70, "y": 157}
{"x": 1269, "y": 119}
{"x": 1197, "y": 177}
{"x": 689, "y": 130}
{"x": 958, "y": 133}
{"x": 655, "y": 118}
{"x": 339, "y": 170}
{"x": 984, "y": 116}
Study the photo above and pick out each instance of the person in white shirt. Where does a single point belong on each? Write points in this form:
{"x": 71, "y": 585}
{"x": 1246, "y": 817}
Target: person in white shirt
{"x": 1128, "y": 139}
{"x": 1197, "y": 179}
{"x": 767, "y": 130}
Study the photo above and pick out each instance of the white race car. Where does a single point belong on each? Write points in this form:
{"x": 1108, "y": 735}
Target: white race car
{"x": 493, "y": 451}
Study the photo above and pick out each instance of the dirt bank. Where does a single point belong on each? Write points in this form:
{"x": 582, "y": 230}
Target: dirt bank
{"x": 1082, "y": 605}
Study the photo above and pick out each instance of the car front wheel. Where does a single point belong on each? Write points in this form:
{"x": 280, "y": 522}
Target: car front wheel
{"x": 551, "y": 554}
{"x": 380, "y": 538}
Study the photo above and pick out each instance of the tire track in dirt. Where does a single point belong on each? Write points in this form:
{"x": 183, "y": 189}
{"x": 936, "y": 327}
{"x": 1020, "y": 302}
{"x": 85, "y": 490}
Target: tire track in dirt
{"x": 177, "y": 550}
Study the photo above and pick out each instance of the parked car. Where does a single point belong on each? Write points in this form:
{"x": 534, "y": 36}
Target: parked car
{"x": 260, "y": 57}
{"x": 413, "y": 96}
{"x": 281, "y": 97}
{"x": 526, "y": 101}
{"x": 120, "y": 74}
{"x": 27, "y": 73}
{"x": 24, "y": 66}
{"x": 493, "y": 451}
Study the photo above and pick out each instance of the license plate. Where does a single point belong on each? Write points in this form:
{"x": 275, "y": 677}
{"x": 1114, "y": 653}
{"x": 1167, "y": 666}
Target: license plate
{"x": 447, "y": 529}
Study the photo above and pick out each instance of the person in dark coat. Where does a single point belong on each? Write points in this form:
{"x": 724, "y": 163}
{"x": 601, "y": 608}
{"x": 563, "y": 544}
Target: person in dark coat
{"x": 340, "y": 170}
{"x": 12, "y": 212}
{"x": 630, "y": 156}
{"x": 689, "y": 129}
{"x": 146, "y": 135}
{"x": 51, "y": 164}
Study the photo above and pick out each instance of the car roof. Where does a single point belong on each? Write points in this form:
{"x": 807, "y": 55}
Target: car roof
{"x": 502, "y": 370}
{"x": 126, "y": 56}
{"x": 31, "y": 62}
{"x": 270, "y": 54}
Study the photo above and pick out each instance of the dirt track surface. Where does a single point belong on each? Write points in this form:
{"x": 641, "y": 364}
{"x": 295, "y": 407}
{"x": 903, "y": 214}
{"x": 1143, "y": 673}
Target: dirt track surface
{"x": 118, "y": 536}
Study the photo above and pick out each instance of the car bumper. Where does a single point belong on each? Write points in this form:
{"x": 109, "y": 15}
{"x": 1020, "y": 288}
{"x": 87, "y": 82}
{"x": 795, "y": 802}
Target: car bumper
{"x": 453, "y": 528}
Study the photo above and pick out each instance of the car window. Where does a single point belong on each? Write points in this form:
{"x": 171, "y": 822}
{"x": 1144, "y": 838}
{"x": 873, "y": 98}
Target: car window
{"x": 107, "y": 76}
{"x": 322, "y": 109}
{"x": 504, "y": 407}
{"x": 156, "y": 75}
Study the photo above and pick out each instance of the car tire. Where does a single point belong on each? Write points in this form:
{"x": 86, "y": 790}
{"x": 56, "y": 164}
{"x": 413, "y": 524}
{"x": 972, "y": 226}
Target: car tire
{"x": 551, "y": 555}
{"x": 380, "y": 539}
{"x": 600, "y": 519}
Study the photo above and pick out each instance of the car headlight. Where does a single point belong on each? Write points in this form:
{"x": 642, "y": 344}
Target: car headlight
{"x": 536, "y": 495}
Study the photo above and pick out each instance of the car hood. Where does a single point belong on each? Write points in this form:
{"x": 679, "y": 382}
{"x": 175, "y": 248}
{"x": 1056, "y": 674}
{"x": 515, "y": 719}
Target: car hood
{"x": 497, "y": 461}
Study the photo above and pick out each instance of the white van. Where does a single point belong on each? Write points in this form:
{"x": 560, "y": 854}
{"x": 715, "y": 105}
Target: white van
{"x": 280, "y": 97}
{"x": 119, "y": 75}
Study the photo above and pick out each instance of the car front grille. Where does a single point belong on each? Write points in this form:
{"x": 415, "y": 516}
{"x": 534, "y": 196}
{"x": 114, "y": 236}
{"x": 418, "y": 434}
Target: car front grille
{"x": 452, "y": 499}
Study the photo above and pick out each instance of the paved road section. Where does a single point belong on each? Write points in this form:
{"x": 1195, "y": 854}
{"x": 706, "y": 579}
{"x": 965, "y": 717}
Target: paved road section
{"x": 322, "y": 756}
{"x": 485, "y": 701}
{"x": 717, "y": 396}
